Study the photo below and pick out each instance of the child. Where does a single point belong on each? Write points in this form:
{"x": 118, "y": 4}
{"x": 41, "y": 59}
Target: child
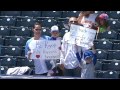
{"x": 88, "y": 63}
{"x": 103, "y": 23}
{"x": 54, "y": 70}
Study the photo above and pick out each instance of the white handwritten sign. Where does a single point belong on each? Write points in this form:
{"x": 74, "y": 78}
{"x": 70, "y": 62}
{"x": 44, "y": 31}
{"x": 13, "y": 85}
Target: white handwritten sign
{"x": 82, "y": 36}
{"x": 45, "y": 49}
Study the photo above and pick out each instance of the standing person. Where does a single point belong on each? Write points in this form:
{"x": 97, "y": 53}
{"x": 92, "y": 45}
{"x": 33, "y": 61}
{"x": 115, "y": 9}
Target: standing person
{"x": 40, "y": 65}
{"x": 52, "y": 65}
{"x": 69, "y": 60}
{"x": 88, "y": 65}
{"x": 89, "y": 20}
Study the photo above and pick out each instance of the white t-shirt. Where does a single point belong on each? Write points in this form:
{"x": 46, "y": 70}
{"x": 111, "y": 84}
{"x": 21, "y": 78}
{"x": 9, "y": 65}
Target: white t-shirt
{"x": 40, "y": 65}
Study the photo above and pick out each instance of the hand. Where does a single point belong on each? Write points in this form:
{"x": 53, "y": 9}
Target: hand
{"x": 29, "y": 55}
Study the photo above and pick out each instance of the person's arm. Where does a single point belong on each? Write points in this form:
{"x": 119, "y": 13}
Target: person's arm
{"x": 27, "y": 51}
{"x": 81, "y": 15}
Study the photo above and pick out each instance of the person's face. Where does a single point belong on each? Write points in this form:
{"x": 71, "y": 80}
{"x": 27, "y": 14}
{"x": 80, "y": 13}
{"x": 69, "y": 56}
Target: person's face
{"x": 102, "y": 21}
{"x": 55, "y": 34}
{"x": 89, "y": 60}
{"x": 37, "y": 29}
{"x": 72, "y": 20}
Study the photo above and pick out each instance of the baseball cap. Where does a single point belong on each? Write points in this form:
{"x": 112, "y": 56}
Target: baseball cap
{"x": 54, "y": 28}
{"x": 103, "y": 16}
{"x": 88, "y": 54}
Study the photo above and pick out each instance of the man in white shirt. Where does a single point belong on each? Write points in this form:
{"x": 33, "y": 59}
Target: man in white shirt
{"x": 69, "y": 58}
{"x": 40, "y": 65}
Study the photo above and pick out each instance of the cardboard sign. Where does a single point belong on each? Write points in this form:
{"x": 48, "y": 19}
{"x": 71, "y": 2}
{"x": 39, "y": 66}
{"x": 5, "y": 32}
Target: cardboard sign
{"x": 45, "y": 49}
{"x": 82, "y": 36}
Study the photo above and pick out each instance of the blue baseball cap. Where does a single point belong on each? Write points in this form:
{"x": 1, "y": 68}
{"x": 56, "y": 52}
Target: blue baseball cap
{"x": 88, "y": 54}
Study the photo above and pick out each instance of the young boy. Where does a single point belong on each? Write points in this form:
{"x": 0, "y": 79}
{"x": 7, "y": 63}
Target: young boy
{"x": 88, "y": 63}
{"x": 52, "y": 65}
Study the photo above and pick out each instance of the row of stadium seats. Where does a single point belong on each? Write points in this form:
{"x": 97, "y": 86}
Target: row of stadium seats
{"x": 40, "y": 13}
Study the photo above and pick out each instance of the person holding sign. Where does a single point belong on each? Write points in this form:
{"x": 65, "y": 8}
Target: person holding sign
{"x": 69, "y": 59}
{"x": 54, "y": 69}
{"x": 40, "y": 65}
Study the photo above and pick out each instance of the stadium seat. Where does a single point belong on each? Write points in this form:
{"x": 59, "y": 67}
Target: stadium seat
{"x": 4, "y": 31}
{"x": 118, "y": 36}
{"x": 63, "y": 31}
{"x": 116, "y": 46}
{"x": 111, "y": 74}
{"x": 49, "y": 22}
{"x": 108, "y": 35}
{"x": 114, "y": 24}
{"x": 7, "y": 21}
{"x": 21, "y": 31}
{"x": 10, "y": 13}
{"x": 99, "y": 74}
{"x": 25, "y": 21}
{"x": 98, "y": 65}
{"x": 15, "y": 41}
{"x": 31, "y": 13}
{"x": 3, "y": 70}
{"x": 11, "y": 50}
{"x": 105, "y": 65}
{"x": 101, "y": 54}
{"x": 114, "y": 55}
{"x": 46, "y": 31}
{"x": 25, "y": 62}
{"x": 114, "y": 14}
{"x": 114, "y": 65}
{"x": 1, "y": 41}
{"x": 70, "y": 14}
{"x": 8, "y": 61}
{"x": 62, "y": 21}
{"x": 104, "y": 44}
{"x": 51, "y": 13}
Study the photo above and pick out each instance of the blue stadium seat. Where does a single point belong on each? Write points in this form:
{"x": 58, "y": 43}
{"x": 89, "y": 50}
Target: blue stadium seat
{"x": 110, "y": 74}
{"x": 10, "y": 13}
{"x": 8, "y": 61}
{"x": 1, "y": 41}
{"x": 15, "y": 41}
{"x": 108, "y": 35}
{"x": 116, "y": 46}
{"x": 114, "y": 24}
{"x": 98, "y": 65}
{"x": 3, "y": 70}
{"x": 7, "y": 21}
{"x": 11, "y": 51}
{"x": 49, "y": 22}
{"x": 25, "y": 21}
{"x": 114, "y": 65}
{"x": 31, "y": 13}
{"x": 114, "y": 55}
{"x": 46, "y": 31}
{"x": 104, "y": 44}
{"x": 101, "y": 54}
{"x": 4, "y": 31}
{"x": 62, "y": 21}
{"x": 21, "y": 31}
{"x": 70, "y": 14}
{"x": 63, "y": 31}
{"x": 114, "y": 14}
{"x": 25, "y": 62}
{"x": 51, "y": 13}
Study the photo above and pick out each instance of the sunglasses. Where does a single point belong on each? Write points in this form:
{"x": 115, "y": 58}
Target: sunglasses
{"x": 73, "y": 21}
